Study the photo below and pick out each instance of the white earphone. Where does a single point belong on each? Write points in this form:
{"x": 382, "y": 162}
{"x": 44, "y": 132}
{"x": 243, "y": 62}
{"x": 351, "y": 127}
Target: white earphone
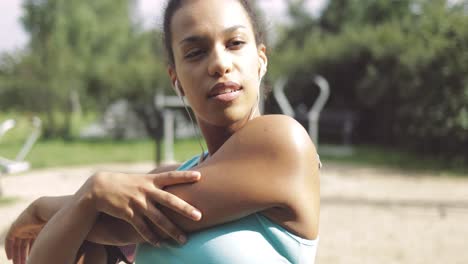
{"x": 263, "y": 68}
{"x": 180, "y": 94}
{"x": 178, "y": 90}
{"x": 262, "y": 73}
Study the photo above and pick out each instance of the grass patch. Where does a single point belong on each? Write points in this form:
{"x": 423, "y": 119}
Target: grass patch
{"x": 57, "y": 153}
{"x": 187, "y": 148}
{"x": 4, "y": 201}
{"x": 396, "y": 158}
{"x": 53, "y": 153}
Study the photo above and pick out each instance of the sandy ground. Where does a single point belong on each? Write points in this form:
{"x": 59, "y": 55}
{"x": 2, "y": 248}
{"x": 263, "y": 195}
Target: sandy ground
{"x": 368, "y": 215}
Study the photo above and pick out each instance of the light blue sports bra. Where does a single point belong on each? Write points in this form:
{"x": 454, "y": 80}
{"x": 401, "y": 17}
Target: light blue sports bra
{"x": 251, "y": 239}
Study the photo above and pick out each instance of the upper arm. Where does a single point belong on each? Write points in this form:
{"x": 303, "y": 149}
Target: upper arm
{"x": 271, "y": 162}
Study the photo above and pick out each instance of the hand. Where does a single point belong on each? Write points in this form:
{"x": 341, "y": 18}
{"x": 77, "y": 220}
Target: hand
{"x": 134, "y": 199}
{"x": 22, "y": 233}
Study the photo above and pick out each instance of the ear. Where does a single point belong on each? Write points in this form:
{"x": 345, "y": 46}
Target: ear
{"x": 173, "y": 76}
{"x": 263, "y": 57}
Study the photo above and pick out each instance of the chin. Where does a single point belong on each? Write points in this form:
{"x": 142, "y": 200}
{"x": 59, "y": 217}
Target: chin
{"x": 230, "y": 116}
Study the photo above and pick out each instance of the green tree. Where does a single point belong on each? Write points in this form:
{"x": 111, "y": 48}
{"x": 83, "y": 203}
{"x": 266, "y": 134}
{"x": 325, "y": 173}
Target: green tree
{"x": 70, "y": 41}
{"x": 401, "y": 64}
{"x": 91, "y": 50}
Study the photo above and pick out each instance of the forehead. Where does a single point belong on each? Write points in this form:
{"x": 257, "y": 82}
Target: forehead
{"x": 207, "y": 17}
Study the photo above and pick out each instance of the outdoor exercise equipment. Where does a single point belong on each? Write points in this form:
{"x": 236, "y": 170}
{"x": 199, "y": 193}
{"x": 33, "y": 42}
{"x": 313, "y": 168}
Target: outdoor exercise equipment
{"x": 313, "y": 114}
{"x": 168, "y": 104}
{"x": 19, "y": 164}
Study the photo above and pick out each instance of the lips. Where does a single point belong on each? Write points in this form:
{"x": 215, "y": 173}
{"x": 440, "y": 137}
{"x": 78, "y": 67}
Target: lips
{"x": 224, "y": 88}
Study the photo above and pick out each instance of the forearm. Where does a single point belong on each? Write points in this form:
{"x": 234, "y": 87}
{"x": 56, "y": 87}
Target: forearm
{"x": 65, "y": 232}
{"x": 109, "y": 230}
{"x": 47, "y": 206}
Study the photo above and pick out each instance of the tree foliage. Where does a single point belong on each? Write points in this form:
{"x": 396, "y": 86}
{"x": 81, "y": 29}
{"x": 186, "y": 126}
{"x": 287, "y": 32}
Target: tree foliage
{"x": 91, "y": 52}
{"x": 400, "y": 64}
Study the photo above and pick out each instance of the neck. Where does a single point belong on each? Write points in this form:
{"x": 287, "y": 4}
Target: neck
{"x": 215, "y": 136}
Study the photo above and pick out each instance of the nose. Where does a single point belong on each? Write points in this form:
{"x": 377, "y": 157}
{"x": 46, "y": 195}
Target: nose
{"x": 220, "y": 62}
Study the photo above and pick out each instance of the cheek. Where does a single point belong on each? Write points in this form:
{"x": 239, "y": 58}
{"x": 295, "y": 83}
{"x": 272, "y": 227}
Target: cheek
{"x": 188, "y": 72}
{"x": 250, "y": 74}
{"x": 192, "y": 86}
{"x": 190, "y": 79}
{"x": 250, "y": 70}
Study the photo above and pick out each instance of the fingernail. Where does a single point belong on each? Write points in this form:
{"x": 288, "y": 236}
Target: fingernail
{"x": 196, "y": 214}
{"x": 182, "y": 239}
{"x": 195, "y": 174}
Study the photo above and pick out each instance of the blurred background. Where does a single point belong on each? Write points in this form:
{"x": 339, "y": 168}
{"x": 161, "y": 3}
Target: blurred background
{"x": 396, "y": 72}
{"x": 381, "y": 85}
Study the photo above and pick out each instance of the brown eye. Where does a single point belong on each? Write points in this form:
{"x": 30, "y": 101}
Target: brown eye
{"x": 236, "y": 44}
{"x": 194, "y": 53}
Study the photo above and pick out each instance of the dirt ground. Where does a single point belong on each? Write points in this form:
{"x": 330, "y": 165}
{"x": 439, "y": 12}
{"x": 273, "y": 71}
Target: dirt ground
{"x": 368, "y": 215}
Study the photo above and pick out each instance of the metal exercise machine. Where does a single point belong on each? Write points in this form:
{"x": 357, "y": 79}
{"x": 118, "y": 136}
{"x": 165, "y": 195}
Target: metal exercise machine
{"x": 314, "y": 112}
{"x": 17, "y": 165}
{"x": 168, "y": 104}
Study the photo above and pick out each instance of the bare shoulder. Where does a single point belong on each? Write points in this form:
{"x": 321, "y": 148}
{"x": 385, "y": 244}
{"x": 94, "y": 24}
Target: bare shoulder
{"x": 270, "y": 163}
{"x": 282, "y": 145}
{"x": 279, "y": 134}
{"x": 280, "y": 127}
{"x": 278, "y": 142}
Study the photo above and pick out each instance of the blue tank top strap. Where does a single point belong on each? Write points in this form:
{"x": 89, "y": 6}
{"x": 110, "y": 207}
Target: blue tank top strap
{"x": 192, "y": 162}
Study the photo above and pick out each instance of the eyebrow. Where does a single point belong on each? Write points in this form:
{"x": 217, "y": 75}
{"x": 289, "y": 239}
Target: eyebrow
{"x": 197, "y": 38}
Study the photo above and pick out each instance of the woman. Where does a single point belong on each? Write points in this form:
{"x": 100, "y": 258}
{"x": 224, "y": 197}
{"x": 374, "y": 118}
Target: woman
{"x": 259, "y": 187}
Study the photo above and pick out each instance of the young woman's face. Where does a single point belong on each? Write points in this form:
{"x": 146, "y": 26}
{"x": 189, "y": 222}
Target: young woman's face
{"x": 217, "y": 61}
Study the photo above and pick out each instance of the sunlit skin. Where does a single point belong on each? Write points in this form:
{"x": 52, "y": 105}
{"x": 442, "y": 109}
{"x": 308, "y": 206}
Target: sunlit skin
{"x": 220, "y": 46}
{"x": 216, "y": 47}
{"x": 257, "y": 164}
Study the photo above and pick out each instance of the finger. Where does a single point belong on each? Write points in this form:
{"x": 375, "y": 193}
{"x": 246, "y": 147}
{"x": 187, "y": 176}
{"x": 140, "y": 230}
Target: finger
{"x": 175, "y": 177}
{"x": 176, "y": 204}
{"x": 16, "y": 251}
{"x": 164, "y": 224}
{"x": 145, "y": 232}
{"x": 27, "y": 249}
{"x": 9, "y": 247}
{"x": 31, "y": 243}
{"x": 22, "y": 250}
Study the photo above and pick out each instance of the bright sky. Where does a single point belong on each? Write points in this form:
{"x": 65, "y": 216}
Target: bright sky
{"x": 12, "y": 35}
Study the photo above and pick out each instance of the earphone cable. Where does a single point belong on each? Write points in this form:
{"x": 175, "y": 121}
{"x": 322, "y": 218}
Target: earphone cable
{"x": 195, "y": 129}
